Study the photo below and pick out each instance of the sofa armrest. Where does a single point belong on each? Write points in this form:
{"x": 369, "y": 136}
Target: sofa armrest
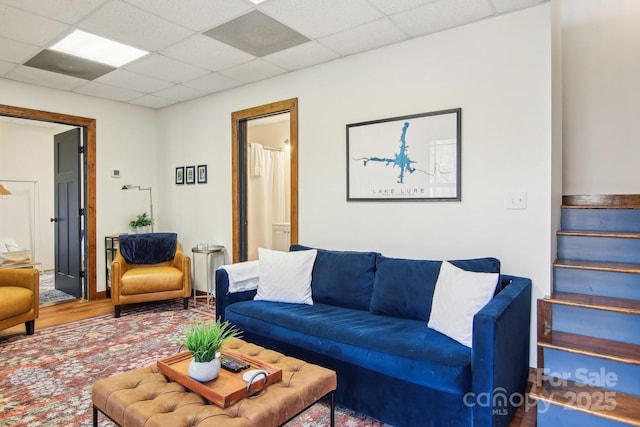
{"x": 500, "y": 361}
{"x": 224, "y": 297}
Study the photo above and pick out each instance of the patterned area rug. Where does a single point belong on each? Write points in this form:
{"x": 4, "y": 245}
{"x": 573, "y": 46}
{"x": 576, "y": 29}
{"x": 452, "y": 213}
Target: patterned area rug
{"x": 46, "y": 378}
{"x": 48, "y": 292}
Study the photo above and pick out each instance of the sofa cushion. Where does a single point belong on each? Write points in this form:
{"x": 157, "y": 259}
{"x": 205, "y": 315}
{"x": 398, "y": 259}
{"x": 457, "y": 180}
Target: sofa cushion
{"x": 458, "y": 296}
{"x": 404, "y": 287}
{"x": 342, "y": 278}
{"x": 148, "y": 248}
{"x": 285, "y": 276}
{"x": 399, "y": 348}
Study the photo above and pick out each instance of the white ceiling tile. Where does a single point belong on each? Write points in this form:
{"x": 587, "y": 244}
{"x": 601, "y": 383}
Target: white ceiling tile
{"x": 253, "y": 71}
{"x": 395, "y": 6}
{"x": 208, "y": 53}
{"x": 180, "y": 93}
{"x": 213, "y": 83}
{"x": 128, "y": 24}
{"x": 28, "y": 28}
{"x": 151, "y": 101}
{"x": 164, "y": 68}
{"x": 14, "y": 51}
{"x": 101, "y": 90}
{"x": 129, "y": 80}
{"x": 40, "y": 77}
{"x": 368, "y": 36}
{"x": 68, "y": 11}
{"x": 441, "y": 15}
{"x": 301, "y": 56}
{"x": 180, "y": 54}
{"x": 5, "y": 67}
{"x": 319, "y": 18}
{"x": 509, "y": 5}
{"x": 197, "y": 15}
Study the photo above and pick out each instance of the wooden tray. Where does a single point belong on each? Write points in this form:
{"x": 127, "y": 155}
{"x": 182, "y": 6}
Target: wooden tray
{"x": 225, "y": 390}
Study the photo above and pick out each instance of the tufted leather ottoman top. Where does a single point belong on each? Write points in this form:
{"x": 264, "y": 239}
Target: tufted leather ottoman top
{"x": 145, "y": 397}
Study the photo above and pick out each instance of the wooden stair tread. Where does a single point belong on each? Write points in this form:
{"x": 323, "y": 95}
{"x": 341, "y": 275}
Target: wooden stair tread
{"x": 616, "y": 267}
{"x": 590, "y": 346}
{"x": 619, "y": 305}
{"x": 607, "y": 201}
{"x": 589, "y": 399}
{"x": 589, "y": 233}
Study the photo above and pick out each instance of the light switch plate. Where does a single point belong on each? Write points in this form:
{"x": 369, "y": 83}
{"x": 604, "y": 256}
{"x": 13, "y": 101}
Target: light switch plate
{"x": 517, "y": 200}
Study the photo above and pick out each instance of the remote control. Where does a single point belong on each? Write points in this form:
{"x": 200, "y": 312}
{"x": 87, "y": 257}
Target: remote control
{"x": 231, "y": 364}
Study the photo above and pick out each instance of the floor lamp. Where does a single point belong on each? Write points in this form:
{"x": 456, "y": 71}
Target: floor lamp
{"x": 133, "y": 187}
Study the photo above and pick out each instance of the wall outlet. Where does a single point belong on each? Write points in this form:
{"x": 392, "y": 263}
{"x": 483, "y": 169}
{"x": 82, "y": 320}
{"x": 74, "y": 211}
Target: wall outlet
{"x": 517, "y": 200}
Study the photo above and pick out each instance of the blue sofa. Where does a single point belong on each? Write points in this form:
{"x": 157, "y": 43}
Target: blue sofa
{"x": 368, "y": 322}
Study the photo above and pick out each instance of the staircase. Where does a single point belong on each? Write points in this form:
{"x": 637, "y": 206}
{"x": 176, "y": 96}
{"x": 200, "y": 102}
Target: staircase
{"x": 589, "y": 327}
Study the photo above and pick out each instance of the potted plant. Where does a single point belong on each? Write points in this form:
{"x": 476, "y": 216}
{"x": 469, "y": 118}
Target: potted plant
{"x": 142, "y": 221}
{"x": 203, "y": 340}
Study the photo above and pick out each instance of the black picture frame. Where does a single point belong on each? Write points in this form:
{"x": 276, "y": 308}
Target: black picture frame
{"x": 407, "y": 158}
{"x": 180, "y": 175}
{"x": 202, "y": 174}
{"x": 190, "y": 174}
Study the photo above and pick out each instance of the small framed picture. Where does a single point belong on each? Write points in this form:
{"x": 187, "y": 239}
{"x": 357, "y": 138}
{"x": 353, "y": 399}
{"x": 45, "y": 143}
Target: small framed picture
{"x": 180, "y": 175}
{"x": 202, "y": 174}
{"x": 191, "y": 174}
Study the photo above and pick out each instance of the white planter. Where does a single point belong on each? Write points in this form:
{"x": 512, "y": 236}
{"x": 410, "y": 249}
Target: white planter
{"x": 204, "y": 371}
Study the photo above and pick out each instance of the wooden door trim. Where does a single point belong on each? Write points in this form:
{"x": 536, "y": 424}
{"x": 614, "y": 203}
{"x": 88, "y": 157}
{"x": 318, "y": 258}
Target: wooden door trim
{"x": 287, "y": 105}
{"x": 90, "y": 152}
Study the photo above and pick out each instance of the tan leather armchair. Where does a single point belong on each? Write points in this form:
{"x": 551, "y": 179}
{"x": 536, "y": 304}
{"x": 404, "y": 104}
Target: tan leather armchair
{"x": 134, "y": 283}
{"x": 19, "y": 298}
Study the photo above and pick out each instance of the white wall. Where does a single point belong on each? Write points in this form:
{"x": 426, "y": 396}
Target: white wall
{"x": 127, "y": 139}
{"x": 498, "y": 71}
{"x": 601, "y": 96}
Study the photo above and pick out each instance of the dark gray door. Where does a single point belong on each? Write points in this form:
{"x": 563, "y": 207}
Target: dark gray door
{"x": 67, "y": 221}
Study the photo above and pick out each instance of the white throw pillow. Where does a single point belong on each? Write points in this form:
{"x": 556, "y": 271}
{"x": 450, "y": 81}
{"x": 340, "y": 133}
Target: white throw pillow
{"x": 458, "y": 296}
{"x": 285, "y": 276}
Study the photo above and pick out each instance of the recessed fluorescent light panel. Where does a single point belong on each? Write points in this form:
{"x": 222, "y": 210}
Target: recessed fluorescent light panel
{"x": 256, "y": 1}
{"x": 99, "y": 49}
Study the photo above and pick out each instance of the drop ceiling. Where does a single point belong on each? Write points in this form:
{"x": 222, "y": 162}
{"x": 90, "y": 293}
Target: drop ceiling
{"x": 200, "y": 47}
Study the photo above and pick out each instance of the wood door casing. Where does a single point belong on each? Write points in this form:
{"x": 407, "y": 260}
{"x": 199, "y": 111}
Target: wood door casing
{"x": 288, "y": 105}
{"x": 89, "y": 125}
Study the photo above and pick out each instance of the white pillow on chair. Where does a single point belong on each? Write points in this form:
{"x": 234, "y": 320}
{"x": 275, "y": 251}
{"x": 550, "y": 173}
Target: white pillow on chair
{"x": 285, "y": 276}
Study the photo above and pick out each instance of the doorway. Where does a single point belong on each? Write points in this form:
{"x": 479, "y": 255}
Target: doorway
{"x": 255, "y": 226}
{"x": 88, "y": 127}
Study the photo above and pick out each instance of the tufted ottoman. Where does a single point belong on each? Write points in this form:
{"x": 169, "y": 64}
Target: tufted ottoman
{"x": 145, "y": 397}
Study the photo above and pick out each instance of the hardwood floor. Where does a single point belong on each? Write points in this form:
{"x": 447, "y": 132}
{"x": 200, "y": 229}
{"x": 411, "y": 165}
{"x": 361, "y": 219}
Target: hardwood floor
{"x": 77, "y": 310}
{"x": 53, "y": 315}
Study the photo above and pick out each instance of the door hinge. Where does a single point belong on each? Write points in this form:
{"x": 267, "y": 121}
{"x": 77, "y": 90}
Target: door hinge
{"x": 82, "y": 274}
{"x": 81, "y": 213}
{"x": 82, "y": 149}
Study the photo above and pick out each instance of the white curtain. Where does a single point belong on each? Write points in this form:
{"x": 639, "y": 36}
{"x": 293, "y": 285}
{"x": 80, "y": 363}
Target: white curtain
{"x": 267, "y": 195}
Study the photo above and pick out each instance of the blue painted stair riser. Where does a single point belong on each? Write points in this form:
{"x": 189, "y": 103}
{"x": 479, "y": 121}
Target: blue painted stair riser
{"x": 603, "y": 324}
{"x": 601, "y": 219}
{"x": 557, "y": 416}
{"x": 594, "y": 282}
{"x": 611, "y": 249}
{"x": 593, "y": 371}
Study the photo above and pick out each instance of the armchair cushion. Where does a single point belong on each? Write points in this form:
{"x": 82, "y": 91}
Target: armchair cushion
{"x": 19, "y": 290}
{"x": 16, "y": 300}
{"x": 148, "y": 248}
{"x": 143, "y": 280}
